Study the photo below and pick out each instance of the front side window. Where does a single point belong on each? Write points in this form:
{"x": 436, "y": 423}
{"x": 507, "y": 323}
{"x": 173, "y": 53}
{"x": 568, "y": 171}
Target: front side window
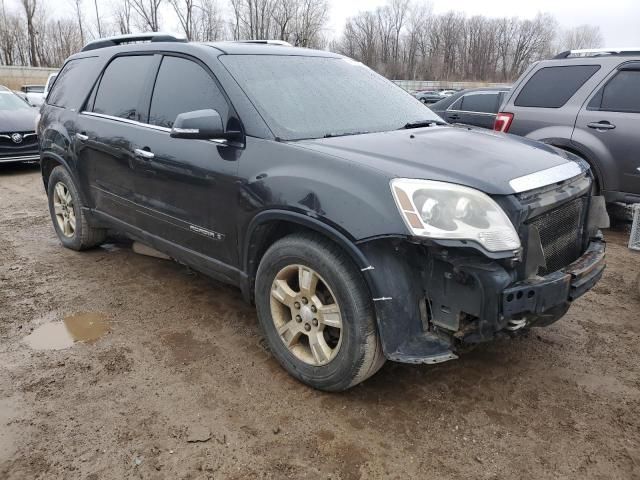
{"x": 312, "y": 97}
{"x": 620, "y": 94}
{"x": 74, "y": 81}
{"x": 480, "y": 102}
{"x": 122, "y": 87}
{"x": 552, "y": 87}
{"x": 183, "y": 86}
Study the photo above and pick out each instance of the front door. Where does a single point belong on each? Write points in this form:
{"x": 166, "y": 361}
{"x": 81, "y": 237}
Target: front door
{"x": 186, "y": 190}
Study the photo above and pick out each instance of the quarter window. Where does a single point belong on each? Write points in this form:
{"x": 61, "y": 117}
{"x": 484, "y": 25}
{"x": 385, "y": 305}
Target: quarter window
{"x": 73, "y": 82}
{"x": 122, "y": 87}
{"x": 183, "y": 86}
{"x": 552, "y": 87}
{"x": 620, "y": 94}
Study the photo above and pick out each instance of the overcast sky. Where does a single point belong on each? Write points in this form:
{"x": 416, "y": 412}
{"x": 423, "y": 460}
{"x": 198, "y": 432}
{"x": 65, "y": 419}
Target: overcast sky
{"x": 617, "y": 19}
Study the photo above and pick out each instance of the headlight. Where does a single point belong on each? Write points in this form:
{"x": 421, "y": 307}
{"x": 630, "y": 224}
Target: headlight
{"x": 447, "y": 211}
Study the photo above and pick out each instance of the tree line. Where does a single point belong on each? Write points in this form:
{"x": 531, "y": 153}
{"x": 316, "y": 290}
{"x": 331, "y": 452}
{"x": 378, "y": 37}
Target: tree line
{"x": 404, "y": 39}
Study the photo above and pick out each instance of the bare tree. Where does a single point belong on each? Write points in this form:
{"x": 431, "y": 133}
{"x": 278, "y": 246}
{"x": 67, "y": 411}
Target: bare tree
{"x": 77, "y": 4}
{"x": 98, "y": 19}
{"x": 123, "y": 14}
{"x": 148, "y": 13}
{"x": 29, "y": 7}
{"x": 583, "y": 36}
{"x": 185, "y": 11}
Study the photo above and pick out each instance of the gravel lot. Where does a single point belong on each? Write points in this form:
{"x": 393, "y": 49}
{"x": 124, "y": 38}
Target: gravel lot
{"x": 180, "y": 385}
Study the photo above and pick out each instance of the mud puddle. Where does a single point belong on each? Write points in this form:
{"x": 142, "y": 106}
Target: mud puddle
{"x": 80, "y": 327}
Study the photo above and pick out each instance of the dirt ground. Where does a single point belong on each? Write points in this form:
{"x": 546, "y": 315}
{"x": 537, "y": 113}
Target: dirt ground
{"x": 181, "y": 387}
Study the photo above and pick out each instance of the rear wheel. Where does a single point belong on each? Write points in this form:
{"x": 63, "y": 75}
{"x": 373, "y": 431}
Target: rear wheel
{"x": 69, "y": 220}
{"x": 317, "y": 314}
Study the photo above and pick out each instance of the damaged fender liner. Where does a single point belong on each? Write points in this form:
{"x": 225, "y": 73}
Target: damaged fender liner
{"x": 436, "y": 301}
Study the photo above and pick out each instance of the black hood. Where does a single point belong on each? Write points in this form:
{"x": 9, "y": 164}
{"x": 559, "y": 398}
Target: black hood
{"x": 476, "y": 158}
{"x": 22, "y": 120}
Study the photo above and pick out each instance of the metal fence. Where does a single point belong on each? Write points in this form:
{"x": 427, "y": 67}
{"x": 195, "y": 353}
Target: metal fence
{"x": 15, "y": 77}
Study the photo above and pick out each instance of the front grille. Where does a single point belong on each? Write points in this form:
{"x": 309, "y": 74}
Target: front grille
{"x": 9, "y": 148}
{"x": 561, "y": 234}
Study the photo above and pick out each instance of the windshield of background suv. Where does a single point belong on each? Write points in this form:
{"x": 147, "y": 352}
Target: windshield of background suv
{"x": 9, "y": 101}
{"x": 314, "y": 97}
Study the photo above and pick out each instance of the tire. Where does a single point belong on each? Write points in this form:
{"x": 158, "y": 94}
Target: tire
{"x": 349, "y": 360}
{"x": 68, "y": 217}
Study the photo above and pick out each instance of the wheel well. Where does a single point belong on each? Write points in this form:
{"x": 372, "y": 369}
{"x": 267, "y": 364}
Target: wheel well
{"x": 47, "y": 164}
{"x": 267, "y": 233}
{"x": 594, "y": 168}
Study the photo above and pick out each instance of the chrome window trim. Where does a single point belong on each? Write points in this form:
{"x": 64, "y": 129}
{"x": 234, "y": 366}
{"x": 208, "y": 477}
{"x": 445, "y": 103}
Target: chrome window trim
{"x": 219, "y": 142}
{"x": 126, "y": 120}
{"x": 474, "y": 113}
{"x": 546, "y": 177}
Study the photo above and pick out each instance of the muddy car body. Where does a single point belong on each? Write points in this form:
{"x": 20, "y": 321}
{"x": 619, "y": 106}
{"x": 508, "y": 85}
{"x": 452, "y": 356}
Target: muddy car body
{"x": 360, "y": 234}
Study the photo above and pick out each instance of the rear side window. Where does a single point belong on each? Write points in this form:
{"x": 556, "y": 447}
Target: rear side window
{"x": 122, "y": 87}
{"x": 620, "y": 94}
{"x": 552, "y": 87}
{"x": 73, "y": 82}
{"x": 183, "y": 86}
{"x": 480, "y": 102}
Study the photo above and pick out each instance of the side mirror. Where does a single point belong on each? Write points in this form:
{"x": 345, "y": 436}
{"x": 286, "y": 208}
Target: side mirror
{"x": 200, "y": 124}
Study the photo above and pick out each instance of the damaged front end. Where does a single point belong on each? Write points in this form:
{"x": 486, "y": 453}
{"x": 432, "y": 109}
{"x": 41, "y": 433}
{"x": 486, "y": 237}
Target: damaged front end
{"x": 434, "y": 298}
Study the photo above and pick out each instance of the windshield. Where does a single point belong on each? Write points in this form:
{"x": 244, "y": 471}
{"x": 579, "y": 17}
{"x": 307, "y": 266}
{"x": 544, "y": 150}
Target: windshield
{"x": 9, "y": 101}
{"x": 314, "y": 97}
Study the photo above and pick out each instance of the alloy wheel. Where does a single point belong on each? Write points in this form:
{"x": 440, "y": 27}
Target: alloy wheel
{"x": 63, "y": 209}
{"x": 306, "y": 315}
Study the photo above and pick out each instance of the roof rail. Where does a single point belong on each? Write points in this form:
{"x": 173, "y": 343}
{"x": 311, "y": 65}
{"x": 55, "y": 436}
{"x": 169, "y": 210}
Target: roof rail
{"x": 595, "y": 52}
{"x": 131, "y": 38}
{"x": 266, "y": 42}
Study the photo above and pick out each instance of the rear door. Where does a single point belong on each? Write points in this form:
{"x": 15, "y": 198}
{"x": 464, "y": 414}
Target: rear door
{"x": 609, "y": 126}
{"x": 475, "y": 108}
{"x": 104, "y": 133}
{"x": 186, "y": 189}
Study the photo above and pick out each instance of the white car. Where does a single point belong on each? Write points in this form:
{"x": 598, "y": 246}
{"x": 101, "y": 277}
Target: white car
{"x": 49, "y": 84}
{"x": 34, "y": 94}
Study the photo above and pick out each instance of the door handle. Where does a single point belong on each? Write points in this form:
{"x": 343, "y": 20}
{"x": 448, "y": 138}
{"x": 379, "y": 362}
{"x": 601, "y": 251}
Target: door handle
{"x": 82, "y": 137}
{"x": 454, "y": 116}
{"x": 602, "y": 125}
{"x": 145, "y": 154}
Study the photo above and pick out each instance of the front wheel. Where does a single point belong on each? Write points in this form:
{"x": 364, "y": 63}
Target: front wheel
{"x": 69, "y": 220}
{"x": 316, "y": 313}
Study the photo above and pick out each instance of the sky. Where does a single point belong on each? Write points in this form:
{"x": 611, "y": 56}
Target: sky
{"x": 618, "y": 19}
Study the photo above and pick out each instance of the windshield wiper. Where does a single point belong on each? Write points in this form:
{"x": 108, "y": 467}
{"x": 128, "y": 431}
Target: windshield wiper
{"x": 333, "y": 135}
{"x": 422, "y": 123}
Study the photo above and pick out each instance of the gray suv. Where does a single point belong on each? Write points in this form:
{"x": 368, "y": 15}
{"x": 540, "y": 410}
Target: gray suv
{"x": 586, "y": 102}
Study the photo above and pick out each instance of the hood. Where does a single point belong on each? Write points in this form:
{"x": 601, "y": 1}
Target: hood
{"x": 477, "y": 158}
{"x": 22, "y": 120}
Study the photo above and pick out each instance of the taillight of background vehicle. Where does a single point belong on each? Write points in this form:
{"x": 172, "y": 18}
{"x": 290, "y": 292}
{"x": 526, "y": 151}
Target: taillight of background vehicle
{"x": 503, "y": 122}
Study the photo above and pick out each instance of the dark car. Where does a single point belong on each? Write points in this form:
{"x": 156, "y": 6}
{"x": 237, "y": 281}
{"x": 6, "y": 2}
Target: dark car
{"x": 586, "y": 102}
{"x": 18, "y": 140}
{"x": 429, "y": 96}
{"x": 361, "y": 226}
{"x": 477, "y": 106}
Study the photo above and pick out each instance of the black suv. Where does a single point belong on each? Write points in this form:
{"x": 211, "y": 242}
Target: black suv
{"x": 362, "y": 226}
{"x": 586, "y": 102}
